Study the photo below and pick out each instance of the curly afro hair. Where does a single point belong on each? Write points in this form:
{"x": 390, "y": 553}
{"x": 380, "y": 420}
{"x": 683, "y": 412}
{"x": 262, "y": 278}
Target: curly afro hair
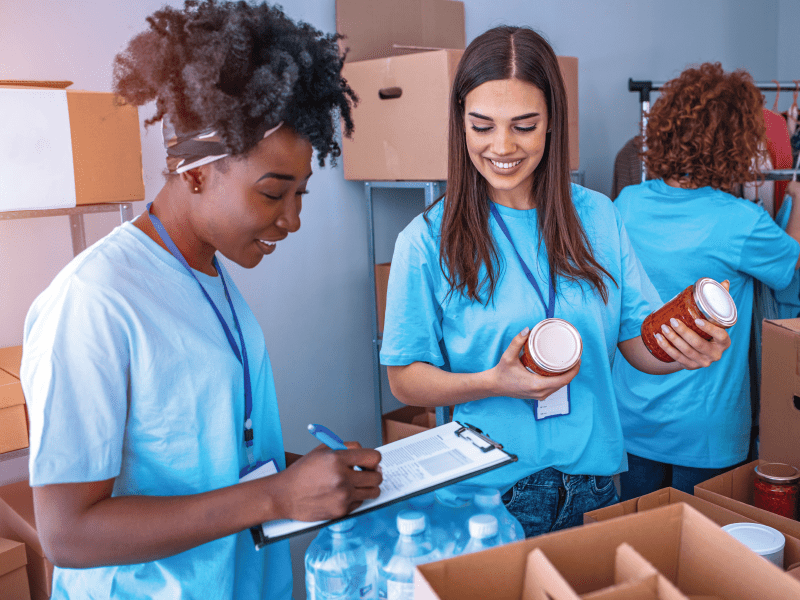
{"x": 237, "y": 67}
{"x": 707, "y": 127}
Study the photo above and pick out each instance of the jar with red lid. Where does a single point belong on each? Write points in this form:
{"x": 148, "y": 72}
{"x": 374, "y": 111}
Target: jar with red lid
{"x": 776, "y": 488}
{"x": 554, "y": 346}
{"x": 705, "y": 299}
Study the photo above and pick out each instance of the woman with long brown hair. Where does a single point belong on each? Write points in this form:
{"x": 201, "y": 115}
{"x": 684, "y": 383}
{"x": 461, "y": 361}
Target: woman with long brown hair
{"x": 704, "y": 136}
{"x": 511, "y": 243}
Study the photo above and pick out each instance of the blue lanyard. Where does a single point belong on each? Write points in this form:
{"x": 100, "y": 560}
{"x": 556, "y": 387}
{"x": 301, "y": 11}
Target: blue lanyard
{"x": 549, "y": 308}
{"x": 241, "y": 357}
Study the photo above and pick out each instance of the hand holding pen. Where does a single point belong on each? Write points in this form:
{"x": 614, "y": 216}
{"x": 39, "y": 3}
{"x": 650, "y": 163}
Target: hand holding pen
{"x": 326, "y": 485}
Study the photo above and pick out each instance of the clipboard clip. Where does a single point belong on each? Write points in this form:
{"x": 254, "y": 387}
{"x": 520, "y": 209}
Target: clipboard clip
{"x": 474, "y": 431}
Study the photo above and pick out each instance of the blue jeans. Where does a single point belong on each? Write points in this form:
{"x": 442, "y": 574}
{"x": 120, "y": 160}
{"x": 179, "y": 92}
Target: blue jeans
{"x": 549, "y": 500}
{"x": 644, "y": 476}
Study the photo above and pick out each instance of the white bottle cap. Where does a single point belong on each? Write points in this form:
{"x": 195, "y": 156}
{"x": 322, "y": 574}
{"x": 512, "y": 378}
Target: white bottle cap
{"x": 761, "y": 539}
{"x": 482, "y": 526}
{"x": 487, "y": 498}
{"x": 342, "y": 526}
{"x": 410, "y": 522}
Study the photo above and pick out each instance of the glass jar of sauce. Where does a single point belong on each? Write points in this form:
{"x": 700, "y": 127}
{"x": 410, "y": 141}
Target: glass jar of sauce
{"x": 706, "y": 299}
{"x": 554, "y": 346}
{"x": 776, "y": 488}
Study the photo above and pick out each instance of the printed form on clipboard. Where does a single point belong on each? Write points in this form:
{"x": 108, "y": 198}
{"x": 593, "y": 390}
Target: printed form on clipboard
{"x": 412, "y": 466}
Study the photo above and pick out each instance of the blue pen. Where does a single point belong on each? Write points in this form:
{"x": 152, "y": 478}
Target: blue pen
{"x": 327, "y": 437}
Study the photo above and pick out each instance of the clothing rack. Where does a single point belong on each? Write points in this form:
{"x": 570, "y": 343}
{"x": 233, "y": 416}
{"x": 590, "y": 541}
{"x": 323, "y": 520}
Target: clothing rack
{"x": 645, "y": 87}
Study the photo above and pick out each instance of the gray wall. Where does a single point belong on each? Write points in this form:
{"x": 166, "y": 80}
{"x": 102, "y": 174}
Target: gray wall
{"x": 312, "y": 296}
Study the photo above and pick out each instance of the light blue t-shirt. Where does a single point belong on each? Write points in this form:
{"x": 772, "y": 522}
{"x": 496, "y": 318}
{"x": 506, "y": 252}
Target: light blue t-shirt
{"x": 127, "y": 374}
{"x": 424, "y": 323}
{"x": 698, "y": 418}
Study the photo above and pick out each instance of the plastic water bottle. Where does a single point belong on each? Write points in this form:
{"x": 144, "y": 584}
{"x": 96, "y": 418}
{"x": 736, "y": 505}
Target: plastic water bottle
{"x": 483, "y": 533}
{"x": 452, "y": 509}
{"x": 487, "y": 500}
{"x": 337, "y": 565}
{"x": 413, "y": 547}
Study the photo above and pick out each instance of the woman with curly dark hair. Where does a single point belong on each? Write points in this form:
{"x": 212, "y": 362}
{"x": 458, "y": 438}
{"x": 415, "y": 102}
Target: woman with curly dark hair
{"x": 151, "y": 398}
{"x": 511, "y": 243}
{"x": 704, "y": 137}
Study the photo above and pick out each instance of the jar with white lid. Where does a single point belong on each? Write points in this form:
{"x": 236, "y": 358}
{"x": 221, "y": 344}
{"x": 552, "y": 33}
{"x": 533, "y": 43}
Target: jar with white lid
{"x": 553, "y": 347}
{"x": 761, "y": 539}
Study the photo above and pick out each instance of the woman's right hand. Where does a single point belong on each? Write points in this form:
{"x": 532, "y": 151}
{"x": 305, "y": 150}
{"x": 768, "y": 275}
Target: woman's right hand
{"x": 514, "y": 380}
{"x": 324, "y": 485}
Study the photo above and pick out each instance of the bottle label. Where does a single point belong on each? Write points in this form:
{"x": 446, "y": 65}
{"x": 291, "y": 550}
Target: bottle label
{"x": 399, "y": 590}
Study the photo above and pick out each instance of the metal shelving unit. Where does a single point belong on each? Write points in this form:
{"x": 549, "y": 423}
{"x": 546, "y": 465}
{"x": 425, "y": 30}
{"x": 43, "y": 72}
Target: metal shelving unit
{"x": 14, "y": 465}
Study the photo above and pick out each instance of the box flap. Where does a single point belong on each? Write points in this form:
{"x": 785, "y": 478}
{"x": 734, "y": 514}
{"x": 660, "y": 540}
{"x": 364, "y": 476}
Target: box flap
{"x": 792, "y": 325}
{"x": 26, "y": 83}
{"x": 12, "y": 556}
{"x": 10, "y": 359}
{"x": 381, "y": 28}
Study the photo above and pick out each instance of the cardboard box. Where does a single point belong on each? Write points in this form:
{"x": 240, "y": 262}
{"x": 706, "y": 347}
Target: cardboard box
{"x": 10, "y": 359}
{"x": 685, "y": 547}
{"x": 405, "y": 422}
{"x": 721, "y": 516}
{"x": 734, "y": 490}
{"x": 105, "y": 162}
{"x": 13, "y": 421}
{"x": 13, "y": 577}
{"x": 17, "y": 522}
{"x": 779, "y": 421}
{"x": 381, "y": 283}
{"x": 401, "y": 120}
{"x": 382, "y": 28}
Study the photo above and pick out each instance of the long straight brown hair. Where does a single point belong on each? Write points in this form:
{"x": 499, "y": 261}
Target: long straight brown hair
{"x": 466, "y": 240}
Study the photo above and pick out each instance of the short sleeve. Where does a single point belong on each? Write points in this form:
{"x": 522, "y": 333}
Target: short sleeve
{"x": 75, "y": 379}
{"x": 638, "y": 295}
{"x": 769, "y": 254}
{"x": 413, "y": 321}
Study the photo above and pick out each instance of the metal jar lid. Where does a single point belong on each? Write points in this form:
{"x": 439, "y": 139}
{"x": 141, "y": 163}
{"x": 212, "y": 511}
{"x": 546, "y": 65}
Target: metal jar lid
{"x": 555, "y": 345}
{"x": 715, "y": 302}
{"x": 778, "y": 473}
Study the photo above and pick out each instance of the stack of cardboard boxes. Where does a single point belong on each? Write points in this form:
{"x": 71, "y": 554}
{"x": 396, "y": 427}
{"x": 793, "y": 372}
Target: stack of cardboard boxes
{"x": 13, "y": 416}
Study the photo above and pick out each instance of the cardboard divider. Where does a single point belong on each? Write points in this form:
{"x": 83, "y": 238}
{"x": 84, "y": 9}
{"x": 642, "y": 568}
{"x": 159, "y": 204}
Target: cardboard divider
{"x": 684, "y": 546}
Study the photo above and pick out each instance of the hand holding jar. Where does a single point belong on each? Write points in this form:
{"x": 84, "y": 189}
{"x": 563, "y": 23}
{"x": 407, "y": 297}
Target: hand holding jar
{"x": 691, "y": 328}
{"x": 516, "y": 381}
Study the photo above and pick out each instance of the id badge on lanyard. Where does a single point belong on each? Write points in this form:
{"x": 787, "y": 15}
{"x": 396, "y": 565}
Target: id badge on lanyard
{"x": 249, "y": 435}
{"x": 559, "y": 402}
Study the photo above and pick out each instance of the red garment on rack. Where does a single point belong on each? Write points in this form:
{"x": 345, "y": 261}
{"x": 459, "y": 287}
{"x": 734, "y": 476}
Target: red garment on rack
{"x": 780, "y": 150}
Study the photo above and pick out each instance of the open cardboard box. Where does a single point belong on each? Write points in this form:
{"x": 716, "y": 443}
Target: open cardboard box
{"x": 690, "y": 550}
{"x": 407, "y": 421}
{"x": 102, "y": 132}
{"x": 13, "y": 577}
{"x": 721, "y": 516}
{"x": 734, "y": 490}
{"x": 17, "y": 522}
{"x": 779, "y": 420}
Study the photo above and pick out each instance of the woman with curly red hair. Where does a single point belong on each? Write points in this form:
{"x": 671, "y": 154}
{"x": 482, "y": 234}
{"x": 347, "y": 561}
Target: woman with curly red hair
{"x": 704, "y": 136}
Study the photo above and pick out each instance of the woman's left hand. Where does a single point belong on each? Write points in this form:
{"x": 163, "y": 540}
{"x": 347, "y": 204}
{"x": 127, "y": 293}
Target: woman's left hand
{"x": 690, "y": 350}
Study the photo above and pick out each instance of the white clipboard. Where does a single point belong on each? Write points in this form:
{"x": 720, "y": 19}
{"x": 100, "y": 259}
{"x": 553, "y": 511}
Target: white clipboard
{"x": 412, "y": 466}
